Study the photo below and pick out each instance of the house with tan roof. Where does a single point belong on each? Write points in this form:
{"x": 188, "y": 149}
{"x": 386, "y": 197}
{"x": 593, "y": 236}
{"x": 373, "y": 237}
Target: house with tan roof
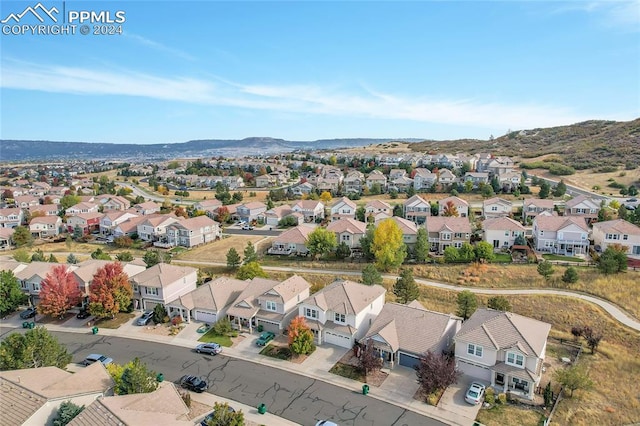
{"x": 563, "y": 235}
{"x": 272, "y": 217}
{"x": 503, "y": 349}
{"x": 417, "y": 210}
{"x": 208, "y": 206}
{"x": 154, "y": 227}
{"x": 6, "y": 237}
{"x": 378, "y": 209}
{"x": 161, "y": 284}
{"x": 110, "y": 220}
{"x": 26, "y": 201}
{"x": 248, "y": 212}
{"x": 496, "y": 207}
{"x": 462, "y": 206}
{"x": 423, "y": 179}
{"x": 266, "y": 180}
{"x": 582, "y": 206}
{"x": 617, "y": 231}
{"x": 342, "y": 312}
{"x": 146, "y": 208}
{"x": 87, "y": 222}
{"x": 376, "y": 177}
{"x": 164, "y": 406}
{"x": 402, "y": 333}
{"x": 193, "y": 232}
{"x": 85, "y": 271}
{"x": 11, "y": 217}
{"x": 33, "y": 396}
{"x": 348, "y": 231}
{"x": 82, "y": 207}
{"x": 115, "y": 202}
{"x": 448, "y": 231}
{"x": 532, "y": 207}
{"x": 46, "y": 209}
{"x": 129, "y": 227}
{"x": 304, "y": 188}
{"x": 501, "y": 232}
{"x": 343, "y": 208}
{"x": 292, "y": 241}
{"x": 354, "y": 182}
{"x": 45, "y": 226}
{"x": 311, "y": 209}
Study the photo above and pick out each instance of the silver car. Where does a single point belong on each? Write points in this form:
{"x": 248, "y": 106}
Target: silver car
{"x": 209, "y": 348}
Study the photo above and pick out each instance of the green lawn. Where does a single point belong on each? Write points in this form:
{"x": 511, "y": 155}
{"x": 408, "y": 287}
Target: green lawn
{"x": 211, "y": 337}
{"x": 502, "y": 258}
{"x": 562, "y": 258}
{"x": 116, "y": 322}
{"x": 276, "y": 351}
{"x": 348, "y": 371}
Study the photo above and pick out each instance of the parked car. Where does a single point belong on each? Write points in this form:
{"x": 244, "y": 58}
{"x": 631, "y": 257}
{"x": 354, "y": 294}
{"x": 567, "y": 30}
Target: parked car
{"x": 193, "y": 383}
{"x": 475, "y": 393}
{"x": 247, "y": 227}
{"x": 146, "y": 318}
{"x": 632, "y": 200}
{"x": 209, "y": 416}
{"x": 83, "y": 314}
{"x": 209, "y": 348}
{"x": 28, "y": 313}
{"x": 90, "y": 359}
{"x": 265, "y": 338}
{"x": 326, "y": 423}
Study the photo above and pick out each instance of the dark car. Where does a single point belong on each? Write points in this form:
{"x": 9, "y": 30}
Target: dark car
{"x": 83, "y": 314}
{"x": 146, "y": 318}
{"x": 193, "y": 383}
{"x": 265, "y": 338}
{"x": 205, "y": 421}
{"x": 209, "y": 348}
{"x": 28, "y": 313}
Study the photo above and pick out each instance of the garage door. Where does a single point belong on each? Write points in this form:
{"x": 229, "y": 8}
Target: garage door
{"x": 408, "y": 360}
{"x": 148, "y": 305}
{"x": 473, "y": 370}
{"x": 269, "y": 326}
{"x": 337, "y": 339}
{"x": 205, "y": 316}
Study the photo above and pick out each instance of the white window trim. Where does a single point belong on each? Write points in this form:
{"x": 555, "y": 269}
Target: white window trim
{"x": 516, "y": 356}
{"x": 473, "y": 349}
{"x": 270, "y": 306}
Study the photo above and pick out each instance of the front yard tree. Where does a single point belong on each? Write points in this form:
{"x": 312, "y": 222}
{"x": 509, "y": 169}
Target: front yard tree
{"x": 436, "y": 372}
{"x": 573, "y": 378}
{"x": 11, "y": 296}
{"x": 421, "y": 249}
{"x": 67, "y": 411}
{"x": 222, "y": 416}
{"x": 388, "y": 245}
{"x": 22, "y": 236}
{"x": 484, "y": 252}
{"x": 223, "y": 214}
{"x": 250, "y": 254}
{"x": 369, "y": 360}
{"x": 133, "y": 377}
{"x": 59, "y": 292}
{"x": 33, "y": 349}
{"x": 321, "y": 242}
{"x": 250, "y": 270}
{"x": 570, "y": 275}
{"x": 450, "y": 209}
{"x": 406, "y": 289}
{"x": 467, "y": 304}
{"x": 233, "y": 259}
{"x": 370, "y": 275}
{"x": 110, "y": 291}
{"x": 545, "y": 268}
{"x": 300, "y": 336}
{"x": 499, "y": 303}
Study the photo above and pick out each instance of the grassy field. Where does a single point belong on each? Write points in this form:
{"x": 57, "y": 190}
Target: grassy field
{"x": 500, "y": 415}
{"x": 217, "y": 251}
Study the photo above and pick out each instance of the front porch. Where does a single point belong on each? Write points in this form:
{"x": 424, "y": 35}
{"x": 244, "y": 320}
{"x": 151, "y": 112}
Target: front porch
{"x": 517, "y": 381}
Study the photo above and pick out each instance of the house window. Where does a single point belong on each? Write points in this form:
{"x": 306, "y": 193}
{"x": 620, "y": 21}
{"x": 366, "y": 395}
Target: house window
{"x": 446, "y": 236}
{"x": 625, "y": 237}
{"x": 474, "y": 350}
{"x": 346, "y": 237}
{"x": 340, "y": 318}
{"x": 151, "y": 291}
{"x": 310, "y": 313}
{"x": 494, "y": 208}
{"x": 270, "y": 306}
{"x": 36, "y": 286}
{"x": 515, "y": 359}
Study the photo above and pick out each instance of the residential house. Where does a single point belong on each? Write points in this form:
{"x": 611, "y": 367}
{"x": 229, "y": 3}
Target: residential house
{"x": 348, "y": 231}
{"x": 6, "y": 235}
{"x": 26, "y": 201}
{"x": 87, "y": 222}
{"x": 409, "y": 229}
{"x": 496, "y": 207}
{"x": 378, "y": 209}
{"x": 161, "y": 284}
{"x": 83, "y": 207}
{"x": 32, "y": 396}
{"x": 376, "y": 177}
{"x": 266, "y": 181}
{"x": 342, "y": 312}
{"x": 45, "y": 226}
{"x": 403, "y": 333}
{"x": 273, "y": 216}
{"x": 192, "y": 232}
{"x": 446, "y": 177}
{"x": 343, "y": 208}
{"x": 509, "y": 181}
{"x": 248, "y": 212}
{"x": 31, "y": 276}
{"x": 115, "y": 202}
{"x": 85, "y": 271}
{"x": 312, "y": 210}
{"x": 617, "y": 231}
{"x": 304, "y": 188}
{"x": 462, "y": 206}
{"x": 353, "y": 182}
{"x": 208, "y": 206}
{"x": 154, "y": 227}
{"x": 329, "y": 184}
{"x": 534, "y": 206}
{"x": 582, "y": 206}
{"x": 448, "y": 231}
{"x": 292, "y": 241}
{"x": 45, "y": 209}
{"x": 401, "y": 184}
{"x": 129, "y": 227}
{"x": 417, "y": 209}
{"x": 397, "y": 174}
{"x": 423, "y": 179}
{"x": 109, "y": 221}
{"x": 11, "y": 217}
{"x": 563, "y": 235}
{"x": 147, "y": 208}
{"x": 503, "y": 349}
{"x": 500, "y": 165}
{"x": 501, "y": 232}
{"x": 477, "y": 178}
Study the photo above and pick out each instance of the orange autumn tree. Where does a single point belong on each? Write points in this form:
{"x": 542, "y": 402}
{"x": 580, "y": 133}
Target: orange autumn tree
{"x": 450, "y": 209}
{"x": 58, "y": 292}
{"x": 300, "y": 337}
{"x": 110, "y": 291}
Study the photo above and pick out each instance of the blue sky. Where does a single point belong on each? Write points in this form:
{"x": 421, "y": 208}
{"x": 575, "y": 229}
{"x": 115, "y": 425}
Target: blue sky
{"x": 306, "y": 70}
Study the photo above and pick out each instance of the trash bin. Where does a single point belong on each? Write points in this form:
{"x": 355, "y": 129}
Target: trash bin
{"x": 160, "y": 377}
{"x": 260, "y": 328}
{"x": 25, "y": 324}
{"x": 94, "y": 330}
{"x": 365, "y": 389}
{"x": 262, "y": 408}
{"x": 32, "y": 324}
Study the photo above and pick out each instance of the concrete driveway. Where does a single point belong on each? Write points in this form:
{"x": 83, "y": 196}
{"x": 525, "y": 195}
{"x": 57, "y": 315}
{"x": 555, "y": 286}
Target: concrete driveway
{"x": 453, "y": 399}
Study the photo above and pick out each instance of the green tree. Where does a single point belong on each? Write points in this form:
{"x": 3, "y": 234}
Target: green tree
{"x": 467, "y": 252}
{"x": 484, "y": 251}
{"x": 487, "y": 191}
{"x": 233, "y": 259}
{"x": 125, "y": 256}
{"x": 573, "y": 378}
{"x": 153, "y": 257}
{"x": 467, "y": 304}
{"x": 72, "y": 259}
{"x": 343, "y": 250}
{"x": 520, "y": 241}
{"x": 22, "y": 236}
{"x": 33, "y": 349}
{"x": 548, "y": 395}
{"x": 365, "y": 243}
{"x": 370, "y": 275}
{"x": 160, "y": 314}
{"x": 223, "y": 416}
{"x": 545, "y": 190}
{"x": 68, "y": 201}
{"x": 421, "y": 249}
{"x": 388, "y": 246}
{"x": 11, "y": 296}
{"x": 99, "y": 254}
{"x": 360, "y": 213}
{"x": 250, "y": 254}
{"x": 570, "y": 275}
{"x": 300, "y": 336}
{"x": 132, "y": 378}
{"x": 613, "y": 260}
{"x": 545, "y": 268}
{"x": 406, "y": 289}
{"x": 38, "y": 256}
{"x": 321, "y": 242}
{"x": 52, "y": 259}
{"x": 499, "y": 303}
{"x": 77, "y": 232}
{"x": 21, "y": 255}
{"x": 451, "y": 254}
{"x": 398, "y": 210}
{"x": 250, "y": 270}
{"x": 67, "y": 411}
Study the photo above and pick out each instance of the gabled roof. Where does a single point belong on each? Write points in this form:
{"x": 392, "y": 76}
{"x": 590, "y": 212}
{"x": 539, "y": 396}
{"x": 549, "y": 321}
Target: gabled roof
{"x": 410, "y": 328}
{"x": 287, "y": 289}
{"x": 279, "y": 212}
{"x": 348, "y": 225}
{"x": 618, "y": 226}
{"x": 87, "y": 269}
{"x": 87, "y": 216}
{"x": 497, "y": 200}
{"x": 148, "y": 205}
{"x": 308, "y": 204}
{"x": 415, "y": 200}
{"x": 454, "y": 224}
{"x": 253, "y": 205}
{"x": 214, "y": 295}
{"x": 159, "y": 219}
{"x": 406, "y": 226}
{"x": 162, "y": 274}
{"x": 297, "y": 235}
{"x": 581, "y": 199}
{"x": 344, "y": 200}
{"x": 39, "y": 269}
{"x": 195, "y": 223}
{"x": 545, "y": 203}
{"x": 455, "y": 200}
{"x": 502, "y": 224}
{"x": 378, "y": 204}
{"x": 245, "y": 305}
{"x": 503, "y": 330}
{"x": 345, "y": 297}
{"x": 556, "y": 223}
{"x": 46, "y": 219}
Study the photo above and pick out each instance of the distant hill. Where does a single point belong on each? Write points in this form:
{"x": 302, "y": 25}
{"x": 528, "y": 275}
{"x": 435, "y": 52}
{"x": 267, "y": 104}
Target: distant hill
{"x": 22, "y": 150}
{"x": 587, "y": 145}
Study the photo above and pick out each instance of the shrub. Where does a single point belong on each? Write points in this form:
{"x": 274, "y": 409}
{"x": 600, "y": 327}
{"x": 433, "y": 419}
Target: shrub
{"x": 490, "y": 396}
{"x": 222, "y": 327}
{"x": 502, "y": 398}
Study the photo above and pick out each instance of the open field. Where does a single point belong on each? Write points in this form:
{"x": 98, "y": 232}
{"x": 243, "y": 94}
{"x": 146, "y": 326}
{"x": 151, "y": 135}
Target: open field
{"x": 217, "y": 251}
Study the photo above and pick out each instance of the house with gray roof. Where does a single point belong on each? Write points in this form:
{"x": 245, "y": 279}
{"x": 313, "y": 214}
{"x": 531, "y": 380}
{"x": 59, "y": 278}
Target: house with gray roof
{"x": 402, "y": 333}
{"x": 503, "y": 349}
{"x": 193, "y": 232}
{"x": 162, "y": 283}
{"x": 292, "y": 241}
{"x": 445, "y": 231}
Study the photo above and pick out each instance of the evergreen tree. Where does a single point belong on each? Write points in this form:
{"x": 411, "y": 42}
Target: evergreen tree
{"x": 22, "y": 236}
{"x": 499, "y": 303}
{"x": 570, "y": 275}
{"x": 250, "y": 254}
{"x": 545, "y": 268}
{"x": 67, "y": 411}
{"x": 560, "y": 189}
{"x": 370, "y": 275}
{"x": 467, "y": 304}
{"x": 421, "y": 249}
{"x": 233, "y": 258}
{"x": 406, "y": 289}
{"x": 343, "y": 250}
{"x": 545, "y": 189}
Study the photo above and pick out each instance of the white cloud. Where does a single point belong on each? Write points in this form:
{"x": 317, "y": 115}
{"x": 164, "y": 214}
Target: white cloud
{"x": 158, "y": 46}
{"x": 622, "y": 15}
{"x": 295, "y": 99}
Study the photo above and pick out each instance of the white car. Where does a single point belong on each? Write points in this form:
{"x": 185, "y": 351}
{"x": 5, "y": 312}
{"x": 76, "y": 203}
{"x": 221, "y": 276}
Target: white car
{"x": 475, "y": 393}
{"x": 326, "y": 423}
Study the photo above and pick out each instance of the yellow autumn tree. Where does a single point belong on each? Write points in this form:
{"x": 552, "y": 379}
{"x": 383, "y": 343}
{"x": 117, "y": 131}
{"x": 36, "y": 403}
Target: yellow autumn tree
{"x": 388, "y": 246}
{"x": 325, "y": 197}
